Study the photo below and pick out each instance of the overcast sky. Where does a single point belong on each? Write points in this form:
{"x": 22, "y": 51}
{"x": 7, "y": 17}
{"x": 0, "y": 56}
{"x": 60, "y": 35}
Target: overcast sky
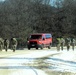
{"x": 51, "y": 1}
{"x": 2, "y": 0}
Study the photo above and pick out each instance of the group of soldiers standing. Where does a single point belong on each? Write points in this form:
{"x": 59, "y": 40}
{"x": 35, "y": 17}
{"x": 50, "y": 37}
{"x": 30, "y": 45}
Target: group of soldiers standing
{"x": 5, "y": 44}
{"x": 61, "y": 42}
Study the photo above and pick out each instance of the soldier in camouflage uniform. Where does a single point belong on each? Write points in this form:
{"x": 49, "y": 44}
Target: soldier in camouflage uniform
{"x": 68, "y": 42}
{"x": 13, "y": 44}
{"x": 1, "y": 44}
{"x": 62, "y": 43}
{"x": 6, "y": 44}
{"x": 58, "y": 44}
{"x": 73, "y": 43}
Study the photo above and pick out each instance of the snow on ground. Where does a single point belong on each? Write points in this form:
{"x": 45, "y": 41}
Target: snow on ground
{"x": 64, "y": 62}
{"x": 14, "y": 64}
{"x": 28, "y": 72}
{"x": 37, "y": 54}
{"x": 67, "y": 55}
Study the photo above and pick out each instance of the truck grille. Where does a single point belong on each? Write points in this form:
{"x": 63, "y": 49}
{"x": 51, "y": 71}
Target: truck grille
{"x": 33, "y": 42}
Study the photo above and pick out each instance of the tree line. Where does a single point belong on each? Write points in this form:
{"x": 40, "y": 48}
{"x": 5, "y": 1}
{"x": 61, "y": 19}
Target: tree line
{"x": 19, "y": 18}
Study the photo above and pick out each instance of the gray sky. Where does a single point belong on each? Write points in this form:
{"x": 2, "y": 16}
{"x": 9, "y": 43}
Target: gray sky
{"x": 2, "y": 0}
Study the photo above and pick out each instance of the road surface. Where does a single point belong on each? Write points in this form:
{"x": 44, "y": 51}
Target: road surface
{"x": 38, "y": 62}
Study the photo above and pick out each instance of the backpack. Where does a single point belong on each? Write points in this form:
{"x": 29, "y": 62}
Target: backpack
{"x": 13, "y": 41}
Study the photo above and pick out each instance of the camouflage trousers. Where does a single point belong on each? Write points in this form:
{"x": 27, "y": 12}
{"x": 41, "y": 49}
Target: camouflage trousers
{"x": 58, "y": 47}
{"x": 73, "y": 45}
{"x": 1, "y": 47}
{"x": 68, "y": 46}
{"x": 13, "y": 47}
{"x": 62, "y": 45}
{"x": 6, "y": 47}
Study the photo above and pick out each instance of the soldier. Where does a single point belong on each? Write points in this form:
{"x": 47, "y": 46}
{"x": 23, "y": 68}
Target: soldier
{"x": 6, "y": 44}
{"x": 62, "y": 43}
{"x": 73, "y": 43}
{"x": 13, "y": 44}
{"x": 58, "y": 44}
{"x": 1, "y": 44}
{"x": 68, "y": 42}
